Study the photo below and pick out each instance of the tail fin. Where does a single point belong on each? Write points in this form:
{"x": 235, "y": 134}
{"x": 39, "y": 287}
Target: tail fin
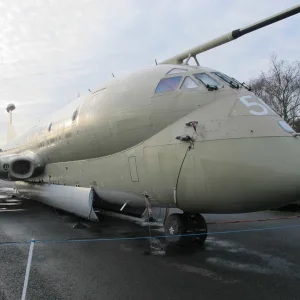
{"x": 11, "y": 133}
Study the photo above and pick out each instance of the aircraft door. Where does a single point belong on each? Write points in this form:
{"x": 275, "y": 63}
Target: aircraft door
{"x": 191, "y": 185}
{"x": 162, "y": 165}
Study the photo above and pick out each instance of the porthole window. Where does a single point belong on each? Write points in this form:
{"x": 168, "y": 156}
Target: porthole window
{"x": 74, "y": 116}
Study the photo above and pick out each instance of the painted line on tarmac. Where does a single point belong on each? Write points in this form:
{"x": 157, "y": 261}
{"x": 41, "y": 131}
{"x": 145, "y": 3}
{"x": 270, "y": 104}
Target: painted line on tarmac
{"x": 148, "y": 237}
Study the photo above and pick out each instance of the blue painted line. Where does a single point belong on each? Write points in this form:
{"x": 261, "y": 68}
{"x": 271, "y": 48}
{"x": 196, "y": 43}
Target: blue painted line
{"x": 147, "y": 237}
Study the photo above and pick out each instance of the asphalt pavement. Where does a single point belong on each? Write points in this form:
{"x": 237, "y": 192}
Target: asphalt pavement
{"x": 247, "y": 260}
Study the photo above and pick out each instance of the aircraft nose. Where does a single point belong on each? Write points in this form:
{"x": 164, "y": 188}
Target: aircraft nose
{"x": 240, "y": 175}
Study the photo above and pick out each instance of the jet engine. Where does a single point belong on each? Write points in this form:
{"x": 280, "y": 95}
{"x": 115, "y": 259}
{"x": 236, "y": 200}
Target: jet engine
{"x": 21, "y": 166}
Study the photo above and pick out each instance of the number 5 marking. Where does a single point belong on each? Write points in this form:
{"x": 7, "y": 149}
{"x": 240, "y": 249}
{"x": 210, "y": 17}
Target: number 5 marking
{"x": 250, "y": 104}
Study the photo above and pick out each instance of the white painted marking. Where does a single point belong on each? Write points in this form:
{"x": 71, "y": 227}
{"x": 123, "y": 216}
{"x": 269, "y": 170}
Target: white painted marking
{"x": 261, "y": 106}
{"x": 28, "y": 270}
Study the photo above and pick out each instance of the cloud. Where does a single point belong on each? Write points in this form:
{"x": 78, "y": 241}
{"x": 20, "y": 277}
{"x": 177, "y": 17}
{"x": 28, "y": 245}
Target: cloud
{"x": 52, "y": 49}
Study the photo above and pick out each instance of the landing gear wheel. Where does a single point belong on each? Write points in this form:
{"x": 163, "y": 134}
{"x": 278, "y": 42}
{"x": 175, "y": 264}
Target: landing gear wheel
{"x": 175, "y": 226}
{"x": 185, "y": 228}
{"x": 197, "y": 225}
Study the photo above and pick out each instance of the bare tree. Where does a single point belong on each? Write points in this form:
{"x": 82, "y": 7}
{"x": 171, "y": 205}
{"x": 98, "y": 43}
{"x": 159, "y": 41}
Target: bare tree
{"x": 279, "y": 87}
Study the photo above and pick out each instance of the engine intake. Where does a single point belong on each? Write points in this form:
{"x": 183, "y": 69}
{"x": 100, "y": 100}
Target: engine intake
{"x": 21, "y": 166}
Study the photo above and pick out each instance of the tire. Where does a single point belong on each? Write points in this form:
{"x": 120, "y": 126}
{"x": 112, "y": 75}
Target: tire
{"x": 197, "y": 225}
{"x": 175, "y": 226}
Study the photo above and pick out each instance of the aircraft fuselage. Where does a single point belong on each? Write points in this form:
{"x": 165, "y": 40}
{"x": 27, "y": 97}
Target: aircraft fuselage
{"x": 124, "y": 140}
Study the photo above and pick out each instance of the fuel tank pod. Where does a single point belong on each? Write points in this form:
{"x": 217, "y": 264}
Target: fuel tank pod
{"x": 75, "y": 200}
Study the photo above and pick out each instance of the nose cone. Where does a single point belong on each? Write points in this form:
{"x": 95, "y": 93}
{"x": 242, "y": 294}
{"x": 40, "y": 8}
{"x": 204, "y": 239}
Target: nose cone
{"x": 240, "y": 175}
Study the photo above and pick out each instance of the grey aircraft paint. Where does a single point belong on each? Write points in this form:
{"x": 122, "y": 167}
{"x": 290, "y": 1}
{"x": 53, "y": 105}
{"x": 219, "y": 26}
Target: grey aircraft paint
{"x": 204, "y": 146}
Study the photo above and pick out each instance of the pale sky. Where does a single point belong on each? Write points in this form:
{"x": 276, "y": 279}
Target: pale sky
{"x": 51, "y": 50}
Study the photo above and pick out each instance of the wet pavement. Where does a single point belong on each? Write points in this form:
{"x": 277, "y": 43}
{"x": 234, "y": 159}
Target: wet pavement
{"x": 261, "y": 263}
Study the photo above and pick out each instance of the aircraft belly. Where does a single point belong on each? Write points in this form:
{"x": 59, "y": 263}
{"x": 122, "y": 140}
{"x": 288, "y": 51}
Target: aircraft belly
{"x": 239, "y": 175}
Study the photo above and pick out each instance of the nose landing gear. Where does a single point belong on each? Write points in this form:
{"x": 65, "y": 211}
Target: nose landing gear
{"x": 185, "y": 228}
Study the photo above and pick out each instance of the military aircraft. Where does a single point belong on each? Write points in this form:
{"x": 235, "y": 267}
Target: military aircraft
{"x": 173, "y": 135}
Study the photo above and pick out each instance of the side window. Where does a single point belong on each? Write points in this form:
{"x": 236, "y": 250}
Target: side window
{"x": 74, "y": 116}
{"x": 188, "y": 83}
{"x": 49, "y": 127}
{"x": 168, "y": 84}
{"x": 207, "y": 80}
{"x": 232, "y": 82}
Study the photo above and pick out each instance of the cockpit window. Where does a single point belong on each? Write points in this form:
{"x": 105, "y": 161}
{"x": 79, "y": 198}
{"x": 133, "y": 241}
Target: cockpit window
{"x": 230, "y": 80}
{"x": 188, "y": 83}
{"x": 168, "y": 84}
{"x": 207, "y": 80}
{"x": 176, "y": 71}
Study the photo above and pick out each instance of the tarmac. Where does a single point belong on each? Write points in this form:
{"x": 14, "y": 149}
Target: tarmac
{"x": 242, "y": 260}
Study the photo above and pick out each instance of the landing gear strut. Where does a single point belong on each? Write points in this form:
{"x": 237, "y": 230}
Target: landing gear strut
{"x": 185, "y": 228}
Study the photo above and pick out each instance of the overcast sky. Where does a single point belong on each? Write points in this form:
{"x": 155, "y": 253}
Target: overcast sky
{"x": 51, "y": 50}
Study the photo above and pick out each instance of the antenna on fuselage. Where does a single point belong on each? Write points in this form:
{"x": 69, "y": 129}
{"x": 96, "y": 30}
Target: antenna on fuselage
{"x": 11, "y": 133}
{"x": 230, "y": 36}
